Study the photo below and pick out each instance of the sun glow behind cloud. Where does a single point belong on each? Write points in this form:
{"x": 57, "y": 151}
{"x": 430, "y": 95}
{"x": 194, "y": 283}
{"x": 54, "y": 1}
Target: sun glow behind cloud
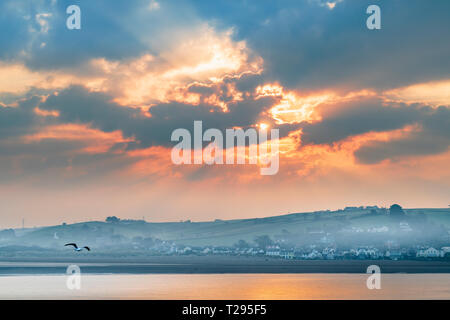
{"x": 432, "y": 93}
{"x": 207, "y": 57}
{"x": 295, "y": 107}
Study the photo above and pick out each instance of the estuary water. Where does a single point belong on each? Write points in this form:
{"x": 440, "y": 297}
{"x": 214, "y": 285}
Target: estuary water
{"x": 226, "y": 286}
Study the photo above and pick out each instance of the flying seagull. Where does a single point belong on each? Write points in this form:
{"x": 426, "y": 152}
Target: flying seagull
{"x": 75, "y": 247}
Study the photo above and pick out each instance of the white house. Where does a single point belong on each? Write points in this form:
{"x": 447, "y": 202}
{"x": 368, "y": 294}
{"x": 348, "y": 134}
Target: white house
{"x": 378, "y": 230}
{"x": 430, "y": 253}
{"x": 445, "y": 250}
{"x": 404, "y": 226}
{"x": 314, "y": 255}
{"x": 286, "y": 254}
{"x": 273, "y": 251}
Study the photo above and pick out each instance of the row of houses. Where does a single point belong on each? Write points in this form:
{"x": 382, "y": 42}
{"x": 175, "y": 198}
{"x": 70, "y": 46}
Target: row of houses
{"x": 356, "y": 253}
{"x": 432, "y": 252}
{"x": 390, "y": 251}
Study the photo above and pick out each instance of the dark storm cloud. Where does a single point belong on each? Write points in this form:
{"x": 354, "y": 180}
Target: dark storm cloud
{"x": 55, "y": 161}
{"x": 201, "y": 89}
{"x": 358, "y": 117}
{"x": 18, "y": 120}
{"x": 417, "y": 144}
{"x": 340, "y": 121}
{"x": 77, "y": 105}
{"x": 344, "y": 120}
{"x": 114, "y": 30}
{"x": 305, "y": 44}
{"x": 247, "y": 82}
{"x": 433, "y": 138}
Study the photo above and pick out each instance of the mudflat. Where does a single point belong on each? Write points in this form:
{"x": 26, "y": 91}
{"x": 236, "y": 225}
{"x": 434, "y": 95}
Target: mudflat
{"x": 210, "y": 265}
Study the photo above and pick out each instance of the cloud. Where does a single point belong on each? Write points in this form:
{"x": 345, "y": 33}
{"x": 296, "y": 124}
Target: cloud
{"x": 345, "y": 119}
{"x": 78, "y": 105}
{"x": 19, "y": 119}
{"x": 427, "y": 128}
{"x": 310, "y": 68}
{"x": 202, "y": 58}
{"x": 306, "y": 45}
{"x": 106, "y": 31}
{"x": 433, "y": 137}
{"x": 124, "y": 129}
{"x": 18, "y": 80}
{"x": 432, "y": 93}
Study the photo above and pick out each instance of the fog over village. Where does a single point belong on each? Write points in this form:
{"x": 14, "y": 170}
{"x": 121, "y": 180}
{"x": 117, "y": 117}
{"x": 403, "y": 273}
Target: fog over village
{"x": 366, "y": 232}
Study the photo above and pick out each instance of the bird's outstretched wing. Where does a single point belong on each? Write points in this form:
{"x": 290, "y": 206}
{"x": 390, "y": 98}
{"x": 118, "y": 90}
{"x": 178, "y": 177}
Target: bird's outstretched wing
{"x": 87, "y": 248}
{"x": 71, "y": 244}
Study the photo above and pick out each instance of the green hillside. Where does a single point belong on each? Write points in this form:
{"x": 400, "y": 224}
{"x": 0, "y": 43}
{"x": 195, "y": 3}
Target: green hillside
{"x": 228, "y": 232}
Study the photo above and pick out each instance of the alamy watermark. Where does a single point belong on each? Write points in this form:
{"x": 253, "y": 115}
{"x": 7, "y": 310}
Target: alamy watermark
{"x": 218, "y": 152}
{"x": 73, "y": 281}
{"x": 373, "y": 22}
{"x": 374, "y": 280}
{"x": 74, "y": 19}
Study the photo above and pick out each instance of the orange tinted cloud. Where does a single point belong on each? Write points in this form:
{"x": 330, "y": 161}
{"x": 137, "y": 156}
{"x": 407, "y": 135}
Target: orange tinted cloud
{"x": 18, "y": 79}
{"x": 432, "y": 93}
{"x": 46, "y": 113}
{"x": 205, "y": 56}
{"x": 295, "y": 107}
{"x": 95, "y": 141}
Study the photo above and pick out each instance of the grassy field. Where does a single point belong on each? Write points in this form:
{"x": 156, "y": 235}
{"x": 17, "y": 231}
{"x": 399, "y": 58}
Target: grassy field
{"x": 225, "y": 232}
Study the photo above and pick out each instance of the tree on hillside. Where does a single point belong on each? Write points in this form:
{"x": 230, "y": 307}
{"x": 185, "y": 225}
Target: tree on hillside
{"x": 112, "y": 219}
{"x": 7, "y": 234}
{"x": 263, "y": 241}
{"x": 396, "y": 211}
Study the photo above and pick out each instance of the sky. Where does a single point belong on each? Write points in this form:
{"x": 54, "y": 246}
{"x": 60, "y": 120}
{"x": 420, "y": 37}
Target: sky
{"x": 86, "y": 115}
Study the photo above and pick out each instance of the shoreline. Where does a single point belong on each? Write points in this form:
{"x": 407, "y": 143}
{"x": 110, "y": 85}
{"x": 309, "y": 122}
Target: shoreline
{"x": 212, "y": 265}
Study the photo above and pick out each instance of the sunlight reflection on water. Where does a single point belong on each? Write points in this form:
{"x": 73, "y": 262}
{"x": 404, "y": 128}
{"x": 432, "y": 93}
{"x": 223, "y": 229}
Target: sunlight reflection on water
{"x": 227, "y": 286}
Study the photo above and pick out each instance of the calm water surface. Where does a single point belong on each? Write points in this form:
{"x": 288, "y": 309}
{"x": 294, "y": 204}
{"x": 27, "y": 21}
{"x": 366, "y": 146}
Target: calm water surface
{"x": 226, "y": 286}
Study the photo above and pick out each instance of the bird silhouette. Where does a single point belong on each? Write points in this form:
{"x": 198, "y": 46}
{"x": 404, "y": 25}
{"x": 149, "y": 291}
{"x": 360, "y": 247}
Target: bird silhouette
{"x": 75, "y": 247}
